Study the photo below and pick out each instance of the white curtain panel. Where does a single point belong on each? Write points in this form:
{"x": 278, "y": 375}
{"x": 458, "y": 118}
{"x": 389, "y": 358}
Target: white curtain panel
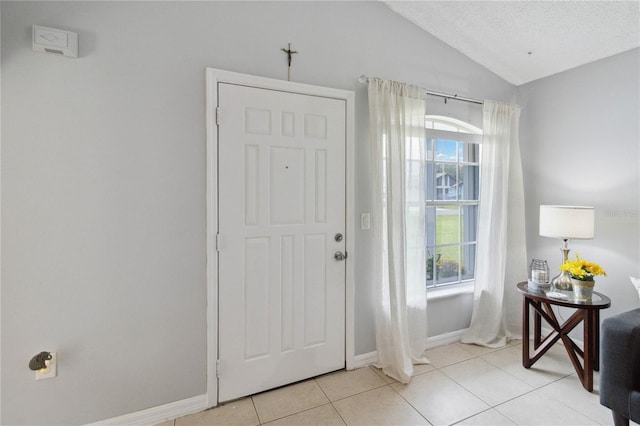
{"x": 501, "y": 260}
{"x": 397, "y": 131}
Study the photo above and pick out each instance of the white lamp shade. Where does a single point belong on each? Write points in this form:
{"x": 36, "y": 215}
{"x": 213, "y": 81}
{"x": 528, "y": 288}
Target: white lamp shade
{"x": 567, "y": 222}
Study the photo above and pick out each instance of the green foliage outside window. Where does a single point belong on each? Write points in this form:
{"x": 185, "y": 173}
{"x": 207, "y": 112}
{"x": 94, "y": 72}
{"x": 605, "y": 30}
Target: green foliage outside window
{"x": 445, "y": 268}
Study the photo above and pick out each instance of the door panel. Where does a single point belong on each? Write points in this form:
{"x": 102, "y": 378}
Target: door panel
{"x": 281, "y": 189}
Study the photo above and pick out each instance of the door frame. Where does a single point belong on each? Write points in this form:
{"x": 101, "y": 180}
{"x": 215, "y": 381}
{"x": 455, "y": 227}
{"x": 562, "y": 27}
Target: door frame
{"x": 213, "y": 77}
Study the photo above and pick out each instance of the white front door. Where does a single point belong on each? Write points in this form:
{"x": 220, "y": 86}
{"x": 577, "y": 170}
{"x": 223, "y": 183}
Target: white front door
{"x": 281, "y": 198}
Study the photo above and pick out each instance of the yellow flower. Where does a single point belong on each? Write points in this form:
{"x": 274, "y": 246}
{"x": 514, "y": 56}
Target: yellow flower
{"x": 581, "y": 269}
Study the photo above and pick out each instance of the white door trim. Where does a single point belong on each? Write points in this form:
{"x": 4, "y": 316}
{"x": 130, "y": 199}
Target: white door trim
{"x": 213, "y": 77}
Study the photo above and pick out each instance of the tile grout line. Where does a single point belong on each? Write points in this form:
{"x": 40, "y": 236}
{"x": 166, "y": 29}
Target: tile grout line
{"x": 375, "y": 387}
{"x": 491, "y": 406}
{"x": 494, "y": 407}
{"x": 361, "y": 392}
{"x": 476, "y": 414}
{"x": 487, "y": 402}
{"x": 255, "y": 409}
{"x": 338, "y": 413}
{"x": 303, "y": 411}
{"x": 410, "y": 404}
{"x": 320, "y": 386}
{"x": 565, "y": 404}
{"x": 331, "y": 402}
{"x": 513, "y": 375}
{"x": 557, "y": 379}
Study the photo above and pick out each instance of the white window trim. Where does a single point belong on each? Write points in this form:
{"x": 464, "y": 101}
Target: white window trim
{"x": 451, "y": 290}
{"x": 462, "y": 137}
{"x": 431, "y": 121}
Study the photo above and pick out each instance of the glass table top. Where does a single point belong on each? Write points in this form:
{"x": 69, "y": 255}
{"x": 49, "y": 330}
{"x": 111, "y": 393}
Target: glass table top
{"x": 559, "y": 296}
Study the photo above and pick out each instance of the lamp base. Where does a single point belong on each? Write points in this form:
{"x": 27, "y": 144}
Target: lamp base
{"x": 562, "y": 282}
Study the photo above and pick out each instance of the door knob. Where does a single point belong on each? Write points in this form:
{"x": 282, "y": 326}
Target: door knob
{"x": 340, "y": 256}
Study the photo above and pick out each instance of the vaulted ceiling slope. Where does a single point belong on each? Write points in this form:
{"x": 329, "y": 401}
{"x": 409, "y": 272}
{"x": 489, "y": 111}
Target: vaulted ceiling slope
{"x": 522, "y": 41}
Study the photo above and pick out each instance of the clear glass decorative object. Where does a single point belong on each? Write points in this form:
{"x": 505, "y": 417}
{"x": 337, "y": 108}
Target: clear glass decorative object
{"x": 539, "y": 274}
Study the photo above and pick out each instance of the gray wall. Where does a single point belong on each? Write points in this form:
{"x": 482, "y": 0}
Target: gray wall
{"x": 580, "y": 141}
{"x": 103, "y": 181}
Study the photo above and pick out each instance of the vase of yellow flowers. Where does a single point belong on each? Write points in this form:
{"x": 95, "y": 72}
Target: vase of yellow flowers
{"x": 582, "y": 273}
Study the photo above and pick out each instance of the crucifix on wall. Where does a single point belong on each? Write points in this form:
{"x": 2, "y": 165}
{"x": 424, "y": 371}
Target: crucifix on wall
{"x": 290, "y": 54}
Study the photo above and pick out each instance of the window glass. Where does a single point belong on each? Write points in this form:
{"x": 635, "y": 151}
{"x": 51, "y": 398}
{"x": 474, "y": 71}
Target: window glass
{"x": 452, "y": 176}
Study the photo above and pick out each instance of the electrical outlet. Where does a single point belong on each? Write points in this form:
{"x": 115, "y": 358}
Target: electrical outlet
{"x": 52, "y": 368}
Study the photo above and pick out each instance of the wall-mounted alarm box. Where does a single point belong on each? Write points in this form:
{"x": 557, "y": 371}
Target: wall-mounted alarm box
{"x": 59, "y": 42}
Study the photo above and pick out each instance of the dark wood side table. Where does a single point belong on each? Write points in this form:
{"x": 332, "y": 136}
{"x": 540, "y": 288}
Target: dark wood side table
{"x": 586, "y": 312}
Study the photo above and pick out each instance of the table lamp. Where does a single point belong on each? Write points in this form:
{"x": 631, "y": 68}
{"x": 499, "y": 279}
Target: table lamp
{"x": 565, "y": 223}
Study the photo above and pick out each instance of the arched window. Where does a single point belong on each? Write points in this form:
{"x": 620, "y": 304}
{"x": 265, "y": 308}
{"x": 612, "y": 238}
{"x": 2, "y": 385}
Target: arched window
{"x": 439, "y": 122}
{"x": 452, "y": 199}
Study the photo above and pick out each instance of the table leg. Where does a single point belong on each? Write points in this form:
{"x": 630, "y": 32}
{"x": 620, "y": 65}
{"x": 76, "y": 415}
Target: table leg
{"x": 596, "y": 341}
{"x": 589, "y": 351}
{"x": 537, "y": 329}
{"x": 526, "y": 363}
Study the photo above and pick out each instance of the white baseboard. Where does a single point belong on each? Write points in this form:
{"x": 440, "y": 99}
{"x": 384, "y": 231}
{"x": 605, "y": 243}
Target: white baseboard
{"x": 432, "y": 342}
{"x": 364, "y": 360}
{"x": 159, "y": 414}
{"x": 444, "y": 339}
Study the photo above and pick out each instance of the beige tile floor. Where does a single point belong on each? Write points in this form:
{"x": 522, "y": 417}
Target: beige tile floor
{"x": 464, "y": 385}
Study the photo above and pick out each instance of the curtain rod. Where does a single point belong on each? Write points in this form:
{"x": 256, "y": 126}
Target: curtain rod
{"x": 364, "y": 79}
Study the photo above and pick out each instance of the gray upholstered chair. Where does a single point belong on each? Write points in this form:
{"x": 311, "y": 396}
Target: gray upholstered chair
{"x": 620, "y": 366}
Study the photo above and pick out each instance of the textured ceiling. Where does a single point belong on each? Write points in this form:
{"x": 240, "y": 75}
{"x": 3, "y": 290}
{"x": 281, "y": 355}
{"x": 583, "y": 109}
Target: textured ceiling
{"x": 522, "y": 41}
